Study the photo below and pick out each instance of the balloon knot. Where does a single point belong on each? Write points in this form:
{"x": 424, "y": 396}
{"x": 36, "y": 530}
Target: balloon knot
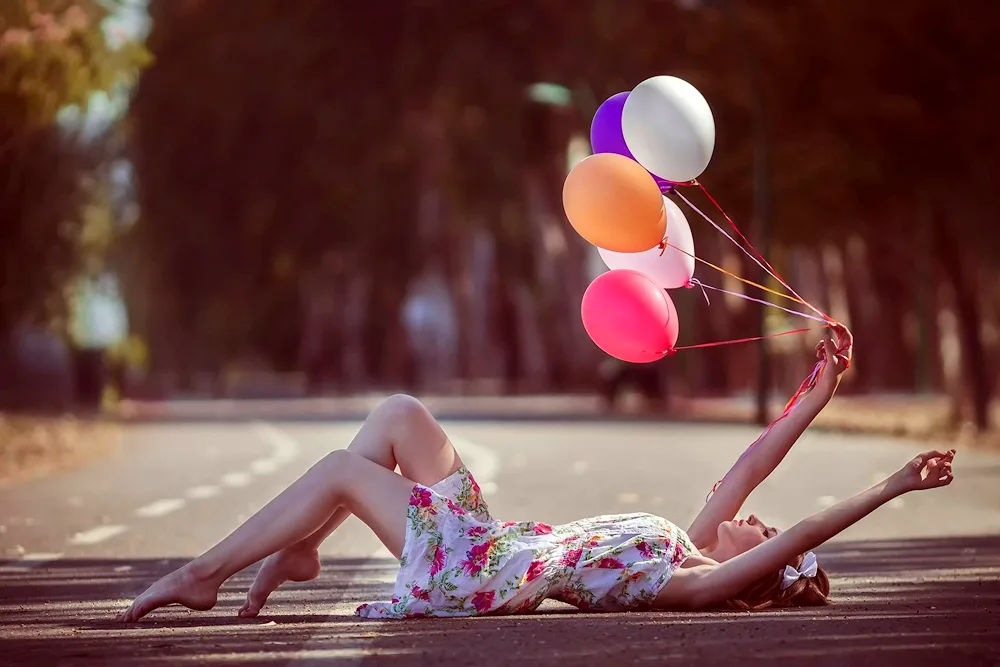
{"x": 663, "y": 245}
{"x": 672, "y": 351}
{"x": 694, "y": 282}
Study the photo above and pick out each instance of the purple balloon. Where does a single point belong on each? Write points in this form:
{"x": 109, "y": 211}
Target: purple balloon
{"x": 606, "y": 129}
{"x": 606, "y": 134}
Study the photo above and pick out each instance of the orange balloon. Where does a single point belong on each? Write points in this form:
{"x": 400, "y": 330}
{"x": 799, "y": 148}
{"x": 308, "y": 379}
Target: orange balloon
{"x": 614, "y": 203}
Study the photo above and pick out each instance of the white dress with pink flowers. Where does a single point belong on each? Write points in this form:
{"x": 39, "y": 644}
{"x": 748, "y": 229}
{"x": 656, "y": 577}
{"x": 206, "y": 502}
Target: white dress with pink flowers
{"x": 458, "y": 561}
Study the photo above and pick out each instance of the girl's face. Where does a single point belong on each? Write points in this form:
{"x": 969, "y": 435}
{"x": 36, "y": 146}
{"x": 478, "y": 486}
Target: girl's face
{"x": 739, "y": 536}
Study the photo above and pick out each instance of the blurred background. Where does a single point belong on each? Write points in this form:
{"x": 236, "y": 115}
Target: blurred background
{"x": 267, "y": 199}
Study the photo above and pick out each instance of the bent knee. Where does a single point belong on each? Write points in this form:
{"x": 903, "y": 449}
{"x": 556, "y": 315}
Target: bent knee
{"x": 339, "y": 464}
{"x": 402, "y": 408}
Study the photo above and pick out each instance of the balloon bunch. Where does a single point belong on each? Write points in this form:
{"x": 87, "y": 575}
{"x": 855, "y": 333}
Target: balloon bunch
{"x": 647, "y": 143}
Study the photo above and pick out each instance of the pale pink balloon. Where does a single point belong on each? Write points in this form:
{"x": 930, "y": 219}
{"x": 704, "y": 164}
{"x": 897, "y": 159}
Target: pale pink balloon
{"x": 674, "y": 267}
{"x": 629, "y": 317}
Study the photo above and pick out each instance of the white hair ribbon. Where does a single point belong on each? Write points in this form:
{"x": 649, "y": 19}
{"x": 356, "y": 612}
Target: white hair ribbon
{"x": 810, "y": 567}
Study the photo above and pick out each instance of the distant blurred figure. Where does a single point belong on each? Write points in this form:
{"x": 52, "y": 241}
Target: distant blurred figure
{"x": 649, "y": 381}
{"x": 431, "y": 324}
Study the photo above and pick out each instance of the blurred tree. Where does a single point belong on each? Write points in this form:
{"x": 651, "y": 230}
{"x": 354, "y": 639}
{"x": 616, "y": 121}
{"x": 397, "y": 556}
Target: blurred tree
{"x": 885, "y": 134}
{"x": 53, "y": 55}
{"x": 269, "y": 137}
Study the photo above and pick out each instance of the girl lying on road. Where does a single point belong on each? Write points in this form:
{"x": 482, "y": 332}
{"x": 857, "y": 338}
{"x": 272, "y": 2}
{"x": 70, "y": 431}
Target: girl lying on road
{"x": 456, "y": 560}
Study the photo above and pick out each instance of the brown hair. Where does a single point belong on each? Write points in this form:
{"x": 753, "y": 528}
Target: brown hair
{"x": 766, "y": 593}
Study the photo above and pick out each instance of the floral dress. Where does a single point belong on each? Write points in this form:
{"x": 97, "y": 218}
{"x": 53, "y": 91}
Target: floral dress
{"x": 458, "y": 561}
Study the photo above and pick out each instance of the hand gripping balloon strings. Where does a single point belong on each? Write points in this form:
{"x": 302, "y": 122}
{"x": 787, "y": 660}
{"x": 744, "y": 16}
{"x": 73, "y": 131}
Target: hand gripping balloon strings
{"x": 810, "y": 382}
{"x": 804, "y": 388}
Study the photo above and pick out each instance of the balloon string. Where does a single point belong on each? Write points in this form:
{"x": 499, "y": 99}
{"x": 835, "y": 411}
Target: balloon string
{"x": 766, "y": 265}
{"x": 761, "y": 301}
{"x": 745, "y": 251}
{"x": 736, "y": 277}
{"x": 738, "y": 340}
{"x": 807, "y": 385}
{"x": 770, "y": 269}
{"x": 694, "y": 282}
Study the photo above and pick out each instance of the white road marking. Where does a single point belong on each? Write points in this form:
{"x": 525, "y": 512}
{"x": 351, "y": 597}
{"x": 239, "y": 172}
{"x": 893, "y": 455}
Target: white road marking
{"x": 264, "y": 466}
{"x": 826, "y": 501}
{"x": 160, "y": 507}
{"x": 482, "y": 461}
{"x": 30, "y": 560}
{"x": 199, "y": 492}
{"x": 236, "y": 479}
{"x": 580, "y": 467}
{"x": 285, "y": 447}
{"x": 99, "y": 534}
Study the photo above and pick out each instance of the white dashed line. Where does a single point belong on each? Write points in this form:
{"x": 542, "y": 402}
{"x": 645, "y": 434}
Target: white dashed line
{"x": 99, "y": 534}
{"x": 264, "y": 466}
{"x": 236, "y": 479}
{"x": 160, "y": 507}
{"x": 826, "y": 501}
{"x": 41, "y": 557}
{"x": 483, "y": 463}
{"x": 285, "y": 446}
{"x": 200, "y": 492}
{"x": 30, "y": 560}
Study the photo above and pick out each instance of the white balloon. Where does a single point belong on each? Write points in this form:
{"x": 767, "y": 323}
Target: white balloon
{"x": 669, "y": 128}
{"x": 675, "y": 267}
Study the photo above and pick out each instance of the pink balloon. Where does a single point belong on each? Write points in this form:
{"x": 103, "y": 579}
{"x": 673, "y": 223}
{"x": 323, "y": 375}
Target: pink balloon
{"x": 629, "y": 317}
{"x": 670, "y": 268}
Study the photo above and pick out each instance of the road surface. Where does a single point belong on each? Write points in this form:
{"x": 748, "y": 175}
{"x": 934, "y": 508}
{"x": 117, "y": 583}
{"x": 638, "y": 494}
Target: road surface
{"x": 915, "y": 584}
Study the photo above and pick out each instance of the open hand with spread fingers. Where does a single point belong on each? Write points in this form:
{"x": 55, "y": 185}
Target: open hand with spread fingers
{"x": 929, "y": 470}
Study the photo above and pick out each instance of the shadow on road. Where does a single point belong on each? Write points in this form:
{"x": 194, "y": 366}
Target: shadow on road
{"x": 906, "y": 602}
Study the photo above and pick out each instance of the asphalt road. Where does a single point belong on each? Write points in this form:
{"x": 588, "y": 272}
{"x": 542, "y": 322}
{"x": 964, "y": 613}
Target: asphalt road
{"x": 915, "y": 584}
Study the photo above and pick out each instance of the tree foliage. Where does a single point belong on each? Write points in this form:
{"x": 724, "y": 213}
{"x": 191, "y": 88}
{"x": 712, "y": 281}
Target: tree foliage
{"x": 53, "y": 55}
{"x": 269, "y": 136}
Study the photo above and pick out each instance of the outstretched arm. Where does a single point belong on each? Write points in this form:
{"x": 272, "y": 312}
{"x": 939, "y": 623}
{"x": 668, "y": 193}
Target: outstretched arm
{"x": 709, "y": 586}
{"x": 761, "y": 460}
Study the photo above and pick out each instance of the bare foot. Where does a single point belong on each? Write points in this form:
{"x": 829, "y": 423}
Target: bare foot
{"x": 182, "y": 586}
{"x": 286, "y": 565}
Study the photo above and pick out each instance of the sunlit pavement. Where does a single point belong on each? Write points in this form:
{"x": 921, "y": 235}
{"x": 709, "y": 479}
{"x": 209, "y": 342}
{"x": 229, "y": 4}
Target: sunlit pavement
{"x": 917, "y": 583}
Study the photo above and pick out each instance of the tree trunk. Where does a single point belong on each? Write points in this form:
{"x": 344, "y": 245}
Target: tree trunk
{"x": 963, "y": 279}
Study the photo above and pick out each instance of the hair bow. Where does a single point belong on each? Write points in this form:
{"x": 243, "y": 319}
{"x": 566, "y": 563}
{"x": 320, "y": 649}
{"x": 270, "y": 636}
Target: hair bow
{"x": 810, "y": 567}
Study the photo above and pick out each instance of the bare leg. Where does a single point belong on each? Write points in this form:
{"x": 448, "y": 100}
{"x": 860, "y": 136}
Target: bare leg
{"x": 399, "y": 431}
{"x": 375, "y": 495}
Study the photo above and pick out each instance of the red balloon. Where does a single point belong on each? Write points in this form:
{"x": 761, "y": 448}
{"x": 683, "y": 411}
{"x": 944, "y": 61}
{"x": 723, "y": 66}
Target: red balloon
{"x": 629, "y": 317}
